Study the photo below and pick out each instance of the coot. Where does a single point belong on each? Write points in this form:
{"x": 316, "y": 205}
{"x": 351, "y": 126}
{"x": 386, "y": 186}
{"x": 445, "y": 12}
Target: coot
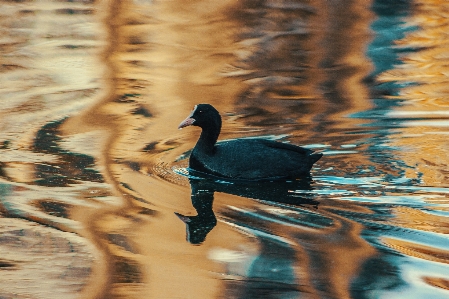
{"x": 246, "y": 158}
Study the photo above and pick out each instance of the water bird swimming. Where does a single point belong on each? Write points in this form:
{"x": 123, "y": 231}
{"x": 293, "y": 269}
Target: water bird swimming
{"x": 245, "y": 158}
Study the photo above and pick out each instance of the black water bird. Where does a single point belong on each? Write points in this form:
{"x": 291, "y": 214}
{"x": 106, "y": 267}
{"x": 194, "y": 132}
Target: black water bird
{"x": 246, "y": 158}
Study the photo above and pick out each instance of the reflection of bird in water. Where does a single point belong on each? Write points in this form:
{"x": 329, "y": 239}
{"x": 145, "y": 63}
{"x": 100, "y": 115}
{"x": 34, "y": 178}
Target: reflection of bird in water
{"x": 243, "y": 159}
{"x": 202, "y": 196}
{"x": 197, "y": 227}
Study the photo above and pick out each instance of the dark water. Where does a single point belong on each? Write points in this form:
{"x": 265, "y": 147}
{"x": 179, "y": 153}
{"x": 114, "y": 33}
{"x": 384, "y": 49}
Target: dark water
{"x": 94, "y": 191}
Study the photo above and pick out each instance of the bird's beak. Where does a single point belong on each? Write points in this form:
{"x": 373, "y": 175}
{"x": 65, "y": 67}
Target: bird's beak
{"x": 186, "y": 122}
{"x": 184, "y": 219}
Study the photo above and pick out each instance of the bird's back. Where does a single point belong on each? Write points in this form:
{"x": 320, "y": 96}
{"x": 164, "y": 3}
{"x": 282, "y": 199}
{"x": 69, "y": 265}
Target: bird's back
{"x": 254, "y": 159}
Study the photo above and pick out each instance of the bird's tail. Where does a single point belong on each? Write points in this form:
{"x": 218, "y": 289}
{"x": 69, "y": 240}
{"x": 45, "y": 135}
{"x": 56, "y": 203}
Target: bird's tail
{"x": 314, "y": 157}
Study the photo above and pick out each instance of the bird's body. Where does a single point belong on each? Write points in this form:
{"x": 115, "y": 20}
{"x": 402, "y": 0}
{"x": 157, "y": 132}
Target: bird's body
{"x": 245, "y": 158}
{"x": 273, "y": 160}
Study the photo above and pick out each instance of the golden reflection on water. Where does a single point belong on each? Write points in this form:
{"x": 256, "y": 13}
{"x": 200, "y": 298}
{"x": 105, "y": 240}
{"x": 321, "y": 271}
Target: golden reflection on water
{"x": 114, "y": 79}
{"x": 426, "y": 101}
{"x": 49, "y": 70}
{"x": 425, "y": 106}
{"x": 161, "y": 68}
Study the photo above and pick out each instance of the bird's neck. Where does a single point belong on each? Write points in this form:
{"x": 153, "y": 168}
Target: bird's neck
{"x": 207, "y": 140}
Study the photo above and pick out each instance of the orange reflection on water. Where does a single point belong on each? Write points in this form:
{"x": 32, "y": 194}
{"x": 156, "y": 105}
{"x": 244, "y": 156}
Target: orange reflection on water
{"x": 426, "y": 107}
{"x": 127, "y": 72}
{"x": 418, "y": 250}
{"x": 428, "y": 66}
{"x": 165, "y": 57}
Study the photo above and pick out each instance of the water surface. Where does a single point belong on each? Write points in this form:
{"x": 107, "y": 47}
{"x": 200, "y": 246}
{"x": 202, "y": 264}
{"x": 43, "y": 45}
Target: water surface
{"x": 95, "y": 201}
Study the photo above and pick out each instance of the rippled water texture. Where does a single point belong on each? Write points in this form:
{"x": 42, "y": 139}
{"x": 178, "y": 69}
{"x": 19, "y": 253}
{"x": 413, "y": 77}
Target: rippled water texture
{"x": 95, "y": 199}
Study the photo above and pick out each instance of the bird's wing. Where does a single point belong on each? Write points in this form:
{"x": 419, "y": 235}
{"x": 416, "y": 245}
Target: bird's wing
{"x": 286, "y": 146}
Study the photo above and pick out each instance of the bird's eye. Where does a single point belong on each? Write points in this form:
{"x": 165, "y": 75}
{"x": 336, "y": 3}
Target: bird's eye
{"x": 201, "y": 111}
